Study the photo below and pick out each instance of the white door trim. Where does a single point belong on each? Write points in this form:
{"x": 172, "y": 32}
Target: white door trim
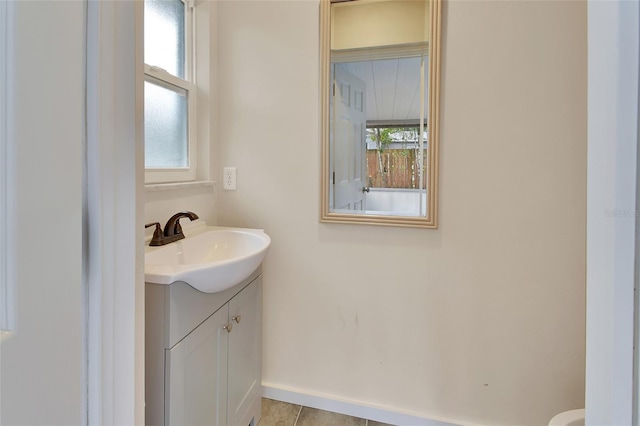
{"x": 611, "y": 207}
{"x": 114, "y": 232}
{"x": 7, "y": 193}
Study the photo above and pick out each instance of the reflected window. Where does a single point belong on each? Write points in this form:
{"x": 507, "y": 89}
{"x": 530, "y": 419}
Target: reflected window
{"x": 394, "y": 157}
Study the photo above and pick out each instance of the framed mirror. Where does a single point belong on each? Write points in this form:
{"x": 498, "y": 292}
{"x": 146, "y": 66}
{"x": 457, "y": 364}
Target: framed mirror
{"x": 380, "y": 87}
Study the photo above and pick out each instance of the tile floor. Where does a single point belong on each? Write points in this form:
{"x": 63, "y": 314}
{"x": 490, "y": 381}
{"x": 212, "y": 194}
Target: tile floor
{"x": 277, "y": 413}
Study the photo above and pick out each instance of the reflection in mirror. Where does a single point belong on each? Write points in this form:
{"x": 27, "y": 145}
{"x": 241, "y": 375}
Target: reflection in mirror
{"x": 379, "y": 121}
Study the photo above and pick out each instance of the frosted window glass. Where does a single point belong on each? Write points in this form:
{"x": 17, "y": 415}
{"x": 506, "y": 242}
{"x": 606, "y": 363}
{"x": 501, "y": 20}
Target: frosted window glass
{"x": 165, "y": 126}
{"x": 164, "y": 35}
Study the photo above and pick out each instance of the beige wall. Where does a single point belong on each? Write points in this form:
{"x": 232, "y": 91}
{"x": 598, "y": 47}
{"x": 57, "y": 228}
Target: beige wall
{"x": 479, "y": 321}
{"x": 375, "y": 23}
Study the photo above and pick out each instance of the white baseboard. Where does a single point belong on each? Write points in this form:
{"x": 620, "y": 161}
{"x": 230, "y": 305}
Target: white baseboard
{"x": 352, "y": 408}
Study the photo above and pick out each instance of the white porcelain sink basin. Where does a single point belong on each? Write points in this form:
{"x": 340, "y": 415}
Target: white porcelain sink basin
{"x": 211, "y": 261}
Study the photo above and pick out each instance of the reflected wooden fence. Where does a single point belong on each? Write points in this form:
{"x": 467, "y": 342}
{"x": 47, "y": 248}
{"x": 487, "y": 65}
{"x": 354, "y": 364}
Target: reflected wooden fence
{"x": 394, "y": 168}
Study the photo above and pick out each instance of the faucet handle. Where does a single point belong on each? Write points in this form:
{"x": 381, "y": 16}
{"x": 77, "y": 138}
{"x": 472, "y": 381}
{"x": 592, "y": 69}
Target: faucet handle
{"x": 158, "y": 236}
{"x": 178, "y": 228}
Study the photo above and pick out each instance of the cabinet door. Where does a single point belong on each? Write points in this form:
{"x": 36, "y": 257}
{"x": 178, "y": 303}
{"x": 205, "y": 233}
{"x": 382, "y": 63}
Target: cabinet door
{"x": 245, "y": 348}
{"x": 196, "y": 375}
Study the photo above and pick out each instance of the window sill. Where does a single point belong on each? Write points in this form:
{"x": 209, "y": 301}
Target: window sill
{"x": 156, "y": 187}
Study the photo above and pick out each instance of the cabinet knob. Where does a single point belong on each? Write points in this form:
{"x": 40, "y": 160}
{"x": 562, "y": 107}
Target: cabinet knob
{"x": 228, "y": 327}
{"x": 237, "y": 319}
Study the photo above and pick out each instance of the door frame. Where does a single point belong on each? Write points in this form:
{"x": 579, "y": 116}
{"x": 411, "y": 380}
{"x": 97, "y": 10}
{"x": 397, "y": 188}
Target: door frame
{"x": 7, "y": 184}
{"x": 612, "y": 203}
{"x": 116, "y": 359}
{"x": 113, "y": 213}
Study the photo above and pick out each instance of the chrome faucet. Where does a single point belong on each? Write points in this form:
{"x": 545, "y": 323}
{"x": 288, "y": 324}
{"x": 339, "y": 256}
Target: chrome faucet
{"x": 172, "y": 230}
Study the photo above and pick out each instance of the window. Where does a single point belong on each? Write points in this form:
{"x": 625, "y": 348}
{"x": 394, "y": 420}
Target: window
{"x": 393, "y": 156}
{"x": 169, "y": 91}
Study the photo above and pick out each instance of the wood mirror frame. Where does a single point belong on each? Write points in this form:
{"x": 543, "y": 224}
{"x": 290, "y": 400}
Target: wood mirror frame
{"x": 430, "y": 219}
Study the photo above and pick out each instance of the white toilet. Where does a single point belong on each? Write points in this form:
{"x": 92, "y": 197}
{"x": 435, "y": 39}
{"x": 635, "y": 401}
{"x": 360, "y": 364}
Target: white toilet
{"x": 568, "y": 418}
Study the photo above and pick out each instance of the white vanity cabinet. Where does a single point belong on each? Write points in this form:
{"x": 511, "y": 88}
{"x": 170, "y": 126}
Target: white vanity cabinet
{"x": 244, "y": 367}
{"x": 196, "y": 375}
{"x": 203, "y": 355}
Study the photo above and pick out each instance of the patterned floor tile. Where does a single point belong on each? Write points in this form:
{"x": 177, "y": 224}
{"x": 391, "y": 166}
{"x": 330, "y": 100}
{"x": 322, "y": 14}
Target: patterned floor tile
{"x": 313, "y": 417}
{"x": 374, "y": 423}
{"x": 277, "y": 413}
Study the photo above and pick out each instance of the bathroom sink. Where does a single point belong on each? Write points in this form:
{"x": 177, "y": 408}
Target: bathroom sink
{"x": 211, "y": 261}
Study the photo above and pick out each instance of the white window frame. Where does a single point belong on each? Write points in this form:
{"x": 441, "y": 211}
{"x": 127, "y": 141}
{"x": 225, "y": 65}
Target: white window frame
{"x": 161, "y": 77}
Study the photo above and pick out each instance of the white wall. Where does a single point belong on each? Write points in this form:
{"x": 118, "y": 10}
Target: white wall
{"x": 41, "y": 365}
{"x": 479, "y": 321}
{"x": 160, "y": 205}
